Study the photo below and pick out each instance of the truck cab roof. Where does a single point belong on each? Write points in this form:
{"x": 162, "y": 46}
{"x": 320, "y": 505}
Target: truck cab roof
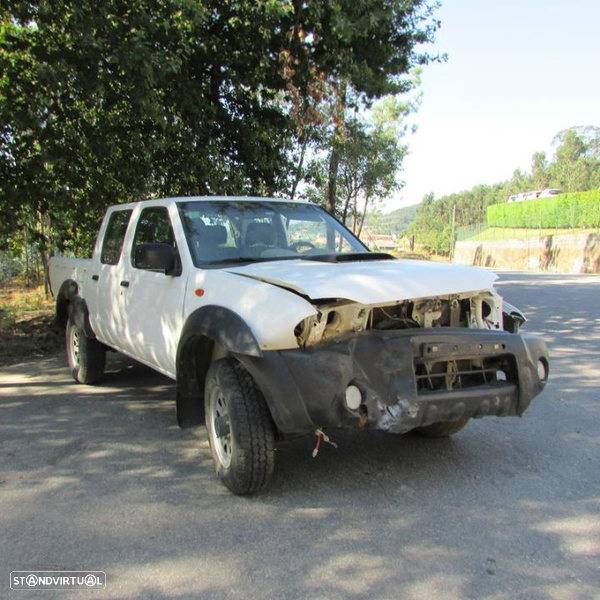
{"x": 177, "y": 199}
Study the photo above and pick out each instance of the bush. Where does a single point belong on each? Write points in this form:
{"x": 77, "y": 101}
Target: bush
{"x": 10, "y": 265}
{"x": 567, "y": 211}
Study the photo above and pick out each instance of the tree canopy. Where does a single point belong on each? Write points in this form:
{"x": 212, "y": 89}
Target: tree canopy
{"x": 369, "y": 156}
{"x": 114, "y": 101}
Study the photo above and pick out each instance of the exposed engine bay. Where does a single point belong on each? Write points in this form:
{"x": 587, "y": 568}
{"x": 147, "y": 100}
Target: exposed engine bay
{"x": 336, "y": 318}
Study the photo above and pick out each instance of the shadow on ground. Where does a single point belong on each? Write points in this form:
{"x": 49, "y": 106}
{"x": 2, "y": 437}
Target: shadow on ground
{"x": 102, "y": 478}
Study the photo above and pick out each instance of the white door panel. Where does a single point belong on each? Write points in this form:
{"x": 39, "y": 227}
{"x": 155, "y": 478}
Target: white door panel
{"x": 153, "y": 305}
{"x": 104, "y": 294}
{"x": 152, "y": 302}
{"x": 108, "y": 316}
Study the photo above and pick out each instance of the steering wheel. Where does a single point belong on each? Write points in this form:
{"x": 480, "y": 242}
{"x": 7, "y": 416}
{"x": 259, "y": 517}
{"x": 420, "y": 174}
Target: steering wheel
{"x": 301, "y": 244}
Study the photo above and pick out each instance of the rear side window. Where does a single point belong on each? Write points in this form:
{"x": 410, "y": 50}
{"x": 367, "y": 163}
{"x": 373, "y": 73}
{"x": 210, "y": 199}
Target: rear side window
{"x": 114, "y": 237}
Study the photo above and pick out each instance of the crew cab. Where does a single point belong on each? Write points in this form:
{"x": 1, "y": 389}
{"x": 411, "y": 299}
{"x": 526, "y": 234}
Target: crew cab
{"x": 276, "y": 321}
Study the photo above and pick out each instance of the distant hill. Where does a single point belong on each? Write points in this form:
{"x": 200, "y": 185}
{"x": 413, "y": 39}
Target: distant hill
{"x": 393, "y": 223}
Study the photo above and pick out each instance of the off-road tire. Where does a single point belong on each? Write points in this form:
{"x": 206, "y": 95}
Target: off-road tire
{"x": 245, "y": 459}
{"x": 442, "y": 430}
{"x": 86, "y": 357}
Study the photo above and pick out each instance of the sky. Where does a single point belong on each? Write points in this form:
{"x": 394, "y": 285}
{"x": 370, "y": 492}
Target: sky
{"x": 518, "y": 73}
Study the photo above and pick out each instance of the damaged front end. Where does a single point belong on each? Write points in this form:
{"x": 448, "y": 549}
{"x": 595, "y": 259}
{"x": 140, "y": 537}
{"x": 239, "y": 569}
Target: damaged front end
{"x": 402, "y": 365}
{"x": 336, "y": 318}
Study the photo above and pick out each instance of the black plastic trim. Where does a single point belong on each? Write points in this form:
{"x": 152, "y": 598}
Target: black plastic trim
{"x": 305, "y": 388}
{"x": 206, "y": 327}
{"x": 221, "y": 325}
{"x": 70, "y": 305}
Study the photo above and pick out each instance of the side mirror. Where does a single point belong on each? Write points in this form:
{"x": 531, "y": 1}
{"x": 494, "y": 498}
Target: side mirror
{"x": 156, "y": 257}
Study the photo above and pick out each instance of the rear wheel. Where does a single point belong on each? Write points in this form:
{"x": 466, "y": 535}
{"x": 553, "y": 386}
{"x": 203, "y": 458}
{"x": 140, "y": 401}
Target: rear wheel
{"x": 87, "y": 357}
{"x": 240, "y": 429}
{"x": 441, "y": 430}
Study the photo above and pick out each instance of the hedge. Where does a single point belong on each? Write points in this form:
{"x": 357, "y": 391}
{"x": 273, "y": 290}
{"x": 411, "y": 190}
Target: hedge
{"x": 566, "y": 211}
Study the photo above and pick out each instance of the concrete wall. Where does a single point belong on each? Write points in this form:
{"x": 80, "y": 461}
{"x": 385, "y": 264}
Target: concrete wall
{"x": 576, "y": 253}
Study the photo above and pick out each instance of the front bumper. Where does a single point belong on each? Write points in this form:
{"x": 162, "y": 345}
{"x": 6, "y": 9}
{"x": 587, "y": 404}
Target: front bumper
{"x": 408, "y": 378}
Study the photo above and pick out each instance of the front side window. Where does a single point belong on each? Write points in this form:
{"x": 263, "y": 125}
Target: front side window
{"x": 239, "y": 231}
{"x": 154, "y": 227}
{"x": 114, "y": 237}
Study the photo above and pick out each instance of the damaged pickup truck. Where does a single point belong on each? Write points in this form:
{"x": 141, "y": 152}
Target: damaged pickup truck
{"x": 275, "y": 321}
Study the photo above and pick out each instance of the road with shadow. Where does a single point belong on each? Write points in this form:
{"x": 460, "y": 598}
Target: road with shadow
{"x": 101, "y": 478}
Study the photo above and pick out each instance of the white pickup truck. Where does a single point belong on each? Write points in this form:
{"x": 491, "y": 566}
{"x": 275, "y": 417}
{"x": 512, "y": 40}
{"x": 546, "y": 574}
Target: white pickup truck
{"x": 275, "y": 321}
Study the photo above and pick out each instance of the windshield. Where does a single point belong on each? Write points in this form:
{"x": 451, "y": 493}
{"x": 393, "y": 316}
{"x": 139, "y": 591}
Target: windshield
{"x": 238, "y": 231}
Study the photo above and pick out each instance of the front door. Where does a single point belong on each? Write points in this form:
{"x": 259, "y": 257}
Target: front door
{"x": 153, "y": 301}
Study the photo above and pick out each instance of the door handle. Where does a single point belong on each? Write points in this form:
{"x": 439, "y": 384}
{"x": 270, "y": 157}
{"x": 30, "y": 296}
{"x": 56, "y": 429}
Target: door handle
{"x": 95, "y": 277}
{"x": 124, "y": 283}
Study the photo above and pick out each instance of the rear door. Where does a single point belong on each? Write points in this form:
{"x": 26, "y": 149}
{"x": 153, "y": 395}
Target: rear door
{"x": 103, "y": 290}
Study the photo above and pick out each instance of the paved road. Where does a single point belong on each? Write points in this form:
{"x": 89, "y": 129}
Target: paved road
{"x": 102, "y": 478}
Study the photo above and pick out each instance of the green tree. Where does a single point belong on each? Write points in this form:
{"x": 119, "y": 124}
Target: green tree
{"x": 105, "y": 102}
{"x": 519, "y": 182}
{"x": 539, "y": 171}
{"x": 369, "y": 164}
{"x": 342, "y": 55}
{"x": 576, "y": 164}
{"x": 369, "y": 161}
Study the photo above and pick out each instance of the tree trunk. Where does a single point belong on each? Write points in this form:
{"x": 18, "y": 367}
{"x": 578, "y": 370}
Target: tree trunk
{"x": 337, "y": 138}
{"x": 334, "y": 163}
{"x": 44, "y": 257}
{"x": 354, "y": 208}
{"x": 298, "y": 176}
{"x": 364, "y": 212}
{"x": 26, "y": 256}
{"x": 346, "y": 207}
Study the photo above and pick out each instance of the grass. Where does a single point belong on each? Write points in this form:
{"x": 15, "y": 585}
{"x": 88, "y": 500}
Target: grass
{"x": 26, "y": 317}
{"x": 407, "y": 254}
{"x": 505, "y": 233}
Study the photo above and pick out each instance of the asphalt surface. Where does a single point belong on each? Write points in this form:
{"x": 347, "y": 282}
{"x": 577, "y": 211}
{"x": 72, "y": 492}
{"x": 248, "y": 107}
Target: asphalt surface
{"x": 102, "y": 478}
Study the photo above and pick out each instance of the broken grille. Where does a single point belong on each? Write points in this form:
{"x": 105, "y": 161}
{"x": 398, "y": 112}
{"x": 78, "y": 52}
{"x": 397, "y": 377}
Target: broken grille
{"x": 447, "y": 375}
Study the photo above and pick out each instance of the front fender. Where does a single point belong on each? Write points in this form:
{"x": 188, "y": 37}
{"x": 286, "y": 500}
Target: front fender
{"x": 206, "y": 327}
{"x": 223, "y": 326}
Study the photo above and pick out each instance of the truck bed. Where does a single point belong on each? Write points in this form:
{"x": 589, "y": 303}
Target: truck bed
{"x": 63, "y": 268}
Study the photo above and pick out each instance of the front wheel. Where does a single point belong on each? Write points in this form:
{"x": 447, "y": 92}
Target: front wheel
{"x": 87, "y": 357}
{"x": 441, "y": 430}
{"x": 240, "y": 429}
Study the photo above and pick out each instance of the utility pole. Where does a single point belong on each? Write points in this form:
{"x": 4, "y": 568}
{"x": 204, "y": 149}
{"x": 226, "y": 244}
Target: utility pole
{"x": 452, "y": 232}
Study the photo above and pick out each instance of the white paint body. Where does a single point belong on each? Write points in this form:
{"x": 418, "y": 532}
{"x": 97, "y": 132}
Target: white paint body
{"x": 145, "y": 320}
{"x": 373, "y": 282}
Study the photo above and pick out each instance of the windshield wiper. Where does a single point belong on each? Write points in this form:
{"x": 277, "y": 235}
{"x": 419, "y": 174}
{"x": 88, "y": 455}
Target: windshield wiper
{"x": 349, "y": 257}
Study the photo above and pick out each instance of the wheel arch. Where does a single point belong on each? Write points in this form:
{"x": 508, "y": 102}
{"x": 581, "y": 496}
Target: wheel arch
{"x": 209, "y": 332}
{"x": 70, "y": 305}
